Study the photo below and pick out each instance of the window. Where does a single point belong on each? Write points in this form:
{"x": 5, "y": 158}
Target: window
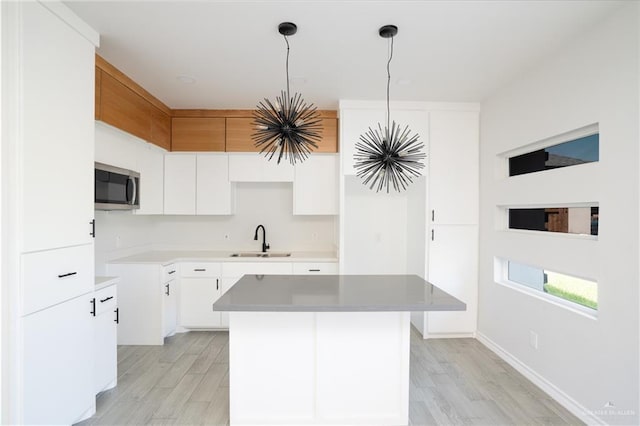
{"x": 568, "y": 220}
{"x": 569, "y": 288}
{"x": 582, "y": 150}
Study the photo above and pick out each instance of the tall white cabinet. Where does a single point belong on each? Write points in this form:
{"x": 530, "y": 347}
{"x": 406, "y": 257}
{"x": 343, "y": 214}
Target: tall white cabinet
{"x": 453, "y": 197}
{"x": 431, "y": 228}
{"x": 48, "y": 68}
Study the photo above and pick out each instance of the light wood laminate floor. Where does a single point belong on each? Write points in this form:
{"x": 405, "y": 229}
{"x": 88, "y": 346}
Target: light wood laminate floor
{"x": 453, "y": 382}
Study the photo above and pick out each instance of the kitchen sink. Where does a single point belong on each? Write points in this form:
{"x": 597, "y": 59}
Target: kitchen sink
{"x": 260, "y": 254}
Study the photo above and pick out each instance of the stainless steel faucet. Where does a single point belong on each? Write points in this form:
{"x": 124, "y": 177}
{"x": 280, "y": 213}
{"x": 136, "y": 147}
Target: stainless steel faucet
{"x": 265, "y": 246}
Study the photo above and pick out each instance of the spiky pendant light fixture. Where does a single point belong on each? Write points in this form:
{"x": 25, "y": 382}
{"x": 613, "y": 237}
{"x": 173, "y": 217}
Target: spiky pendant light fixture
{"x": 289, "y": 126}
{"x": 390, "y": 156}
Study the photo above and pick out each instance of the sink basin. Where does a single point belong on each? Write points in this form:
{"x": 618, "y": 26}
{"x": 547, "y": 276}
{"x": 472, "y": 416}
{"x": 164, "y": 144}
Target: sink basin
{"x": 250, "y": 254}
{"x": 276, "y": 255}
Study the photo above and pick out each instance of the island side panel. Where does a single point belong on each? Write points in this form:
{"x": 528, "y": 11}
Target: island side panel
{"x": 363, "y": 367}
{"x": 272, "y": 367}
{"x": 319, "y": 368}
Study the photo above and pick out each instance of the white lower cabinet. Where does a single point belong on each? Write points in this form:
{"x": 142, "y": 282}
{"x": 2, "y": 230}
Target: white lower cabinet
{"x": 169, "y": 300}
{"x": 453, "y": 267}
{"x": 315, "y": 268}
{"x": 106, "y": 339}
{"x": 58, "y": 379}
{"x": 147, "y": 299}
{"x": 200, "y": 287}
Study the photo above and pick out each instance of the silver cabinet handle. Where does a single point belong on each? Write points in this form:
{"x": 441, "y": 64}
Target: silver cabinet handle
{"x": 200, "y": 270}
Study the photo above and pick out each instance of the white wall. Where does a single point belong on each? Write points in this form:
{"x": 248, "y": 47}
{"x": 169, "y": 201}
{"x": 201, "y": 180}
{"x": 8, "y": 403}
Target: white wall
{"x": 584, "y": 362}
{"x": 269, "y": 204}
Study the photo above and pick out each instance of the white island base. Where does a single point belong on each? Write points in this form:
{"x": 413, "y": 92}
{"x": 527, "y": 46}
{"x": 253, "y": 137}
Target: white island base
{"x": 319, "y": 368}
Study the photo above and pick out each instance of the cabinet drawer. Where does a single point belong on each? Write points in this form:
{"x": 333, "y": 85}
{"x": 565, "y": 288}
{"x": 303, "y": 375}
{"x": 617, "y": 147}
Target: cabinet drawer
{"x": 255, "y": 268}
{"x": 106, "y": 299}
{"x": 200, "y": 269}
{"x": 53, "y": 276}
{"x": 319, "y": 268}
{"x": 169, "y": 272}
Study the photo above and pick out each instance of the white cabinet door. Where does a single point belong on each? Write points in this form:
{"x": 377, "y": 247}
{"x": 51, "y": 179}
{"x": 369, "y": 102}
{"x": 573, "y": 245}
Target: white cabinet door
{"x": 105, "y": 339}
{"x": 115, "y": 147}
{"x": 315, "y": 268}
{"x": 353, "y": 123}
{"x": 255, "y": 167}
{"x": 196, "y": 297}
{"x": 151, "y": 169}
{"x": 214, "y": 192}
{"x": 453, "y": 267}
{"x": 58, "y": 363}
{"x": 53, "y": 276}
{"x": 57, "y": 131}
{"x": 140, "y": 302}
{"x": 180, "y": 184}
{"x": 453, "y": 167}
{"x": 169, "y": 308}
{"x": 315, "y": 187}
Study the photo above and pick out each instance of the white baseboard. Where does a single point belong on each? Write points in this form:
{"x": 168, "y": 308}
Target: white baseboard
{"x": 448, "y": 335}
{"x": 552, "y": 390}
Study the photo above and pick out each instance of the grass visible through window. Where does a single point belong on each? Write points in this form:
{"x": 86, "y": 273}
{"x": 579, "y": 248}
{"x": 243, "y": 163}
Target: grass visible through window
{"x": 567, "y": 287}
{"x": 573, "y": 289}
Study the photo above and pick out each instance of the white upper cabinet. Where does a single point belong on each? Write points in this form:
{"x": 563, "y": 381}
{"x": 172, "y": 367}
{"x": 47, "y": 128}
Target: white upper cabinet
{"x": 116, "y": 147}
{"x": 56, "y": 81}
{"x": 180, "y": 184}
{"x": 255, "y": 167}
{"x": 315, "y": 187}
{"x": 214, "y": 192}
{"x": 453, "y": 167}
{"x": 151, "y": 168}
{"x": 197, "y": 184}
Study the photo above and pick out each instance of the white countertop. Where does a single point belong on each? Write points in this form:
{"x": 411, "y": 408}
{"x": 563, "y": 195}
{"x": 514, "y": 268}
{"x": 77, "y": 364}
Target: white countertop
{"x": 102, "y": 282}
{"x": 168, "y": 257}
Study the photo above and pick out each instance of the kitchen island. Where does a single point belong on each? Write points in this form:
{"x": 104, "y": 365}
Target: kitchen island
{"x": 330, "y": 349}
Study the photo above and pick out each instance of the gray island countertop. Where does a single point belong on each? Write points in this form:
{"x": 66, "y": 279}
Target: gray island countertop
{"x": 335, "y": 293}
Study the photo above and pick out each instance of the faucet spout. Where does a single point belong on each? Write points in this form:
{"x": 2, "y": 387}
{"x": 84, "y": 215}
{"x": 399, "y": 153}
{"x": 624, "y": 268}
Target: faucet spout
{"x": 265, "y": 246}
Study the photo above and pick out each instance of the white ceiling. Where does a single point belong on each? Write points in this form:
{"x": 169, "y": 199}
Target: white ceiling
{"x": 444, "y": 50}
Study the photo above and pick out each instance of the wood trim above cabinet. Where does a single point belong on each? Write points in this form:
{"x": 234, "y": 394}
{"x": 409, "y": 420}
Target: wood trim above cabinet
{"x": 197, "y": 134}
{"x": 160, "y": 128}
{"x": 123, "y": 108}
{"x": 107, "y": 68}
{"x": 239, "y": 131}
{"x": 98, "y": 92}
{"x": 233, "y": 113}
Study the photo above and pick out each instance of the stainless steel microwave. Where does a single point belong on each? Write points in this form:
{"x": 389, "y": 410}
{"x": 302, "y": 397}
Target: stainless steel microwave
{"x": 116, "y": 188}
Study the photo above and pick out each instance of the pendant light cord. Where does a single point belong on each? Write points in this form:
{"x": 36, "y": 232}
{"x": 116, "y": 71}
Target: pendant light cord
{"x": 389, "y": 80}
{"x": 287, "y": 40}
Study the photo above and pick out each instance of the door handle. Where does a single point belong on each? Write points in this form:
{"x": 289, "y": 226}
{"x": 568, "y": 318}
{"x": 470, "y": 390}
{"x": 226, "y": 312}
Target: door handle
{"x": 67, "y": 275}
{"x": 117, "y": 320}
{"x": 167, "y": 292}
{"x": 104, "y": 300}
{"x": 93, "y": 307}
{"x": 93, "y": 228}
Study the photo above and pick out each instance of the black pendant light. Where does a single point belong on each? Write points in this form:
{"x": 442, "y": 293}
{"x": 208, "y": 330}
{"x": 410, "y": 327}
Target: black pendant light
{"x": 289, "y": 126}
{"x": 389, "y": 157}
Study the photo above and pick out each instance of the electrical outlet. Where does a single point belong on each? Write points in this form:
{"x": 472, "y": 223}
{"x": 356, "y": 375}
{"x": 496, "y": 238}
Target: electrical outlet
{"x": 533, "y": 339}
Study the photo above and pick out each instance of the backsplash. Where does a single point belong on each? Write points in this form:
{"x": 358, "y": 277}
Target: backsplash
{"x": 270, "y": 204}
